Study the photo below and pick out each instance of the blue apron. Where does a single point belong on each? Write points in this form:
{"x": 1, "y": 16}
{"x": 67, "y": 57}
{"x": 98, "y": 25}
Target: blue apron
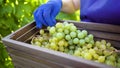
{"x": 100, "y": 11}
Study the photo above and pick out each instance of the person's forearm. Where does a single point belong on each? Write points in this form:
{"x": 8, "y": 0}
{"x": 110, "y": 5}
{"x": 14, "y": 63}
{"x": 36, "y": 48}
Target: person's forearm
{"x": 70, "y": 6}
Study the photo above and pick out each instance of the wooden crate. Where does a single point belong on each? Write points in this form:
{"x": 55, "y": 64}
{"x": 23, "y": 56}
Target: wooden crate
{"x": 25, "y": 55}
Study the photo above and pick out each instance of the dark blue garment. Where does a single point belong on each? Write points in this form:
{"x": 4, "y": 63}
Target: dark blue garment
{"x": 100, "y": 11}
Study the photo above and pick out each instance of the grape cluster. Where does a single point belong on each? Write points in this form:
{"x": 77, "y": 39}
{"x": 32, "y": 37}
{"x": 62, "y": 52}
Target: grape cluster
{"x": 65, "y": 37}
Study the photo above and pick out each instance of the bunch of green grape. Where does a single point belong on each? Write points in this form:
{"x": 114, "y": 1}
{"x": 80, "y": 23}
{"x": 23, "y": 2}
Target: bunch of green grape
{"x": 65, "y": 37}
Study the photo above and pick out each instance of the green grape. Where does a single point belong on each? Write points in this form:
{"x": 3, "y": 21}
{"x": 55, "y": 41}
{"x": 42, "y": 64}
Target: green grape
{"x": 108, "y": 45}
{"x": 106, "y": 52}
{"x": 41, "y": 31}
{"x": 66, "y": 50}
{"x": 67, "y": 26}
{"x": 81, "y": 35}
{"x": 59, "y": 30}
{"x": 99, "y": 52}
{"x": 78, "y": 31}
{"x": 54, "y": 39}
{"x": 71, "y": 47}
{"x": 66, "y": 31}
{"x": 118, "y": 65}
{"x": 48, "y": 28}
{"x": 82, "y": 42}
{"x": 84, "y": 32}
{"x": 65, "y": 23}
{"x": 92, "y": 42}
{"x": 92, "y": 51}
{"x": 95, "y": 56}
{"x": 77, "y": 53}
{"x": 37, "y": 43}
{"x": 70, "y": 42}
{"x": 75, "y": 40}
{"x": 53, "y": 45}
{"x": 61, "y": 43}
{"x": 90, "y": 36}
{"x": 118, "y": 60}
{"x": 73, "y": 34}
{"x": 73, "y": 28}
{"x": 68, "y": 37}
{"x": 101, "y": 59}
{"x": 59, "y": 36}
{"x": 71, "y": 52}
{"x": 103, "y": 42}
{"x": 88, "y": 56}
{"x": 87, "y": 39}
{"x": 61, "y": 49}
{"x": 111, "y": 58}
{"x": 108, "y": 62}
{"x": 98, "y": 43}
{"x": 65, "y": 44}
{"x": 52, "y": 30}
{"x": 59, "y": 25}
{"x": 103, "y": 47}
{"x": 89, "y": 46}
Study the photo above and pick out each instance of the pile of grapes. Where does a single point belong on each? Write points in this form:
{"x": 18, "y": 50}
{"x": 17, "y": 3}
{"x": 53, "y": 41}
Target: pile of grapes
{"x": 65, "y": 37}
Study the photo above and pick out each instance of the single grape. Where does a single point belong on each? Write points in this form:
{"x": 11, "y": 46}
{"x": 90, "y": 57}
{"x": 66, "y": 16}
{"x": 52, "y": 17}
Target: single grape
{"x": 66, "y": 31}
{"x": 73, "y": 28}
{"x": 70, "y": 42}
{"x": 65, "y": 44}
{"x": 95, "y": 56}
{"x": 92, "y": 42}
{"x": 90, "y": 36}
{"x": 73, "y": 34}
{"x": 71, "y": 47}
{"x": 101, "y": 59}
{"x": 78, "y": 31}
{"x": 87, "y": 39}
{"x": 61, "y": 43}
{"x": 59, "y": 30}
{"x": 59, "y": 25}
{"x": 103, "y": 47}
{"x": 108, "y": 45}
{"x": 42, "y": 32}
{"x": 53, "y": 45}
{"x": 68, "y": 37}
{"x": 37, "y": 43}
{"x": 89, "y": 45}
{"x": 66, "y": 50}
{"x": 88, "y": 56}
{"x": 81, "y": 35}
{"x": 84, "y": 32}
{"x": 59, "y": 36}
{"x": 92, "y": 51}
{"x": 52, "y": 30}
{"x": 77, "y": 53}
{"x": 103, "y": 42}
{"x": 98, "y": 43}
{"x": 71, "y": 52}
{"x": 75, "y": 40}
{"x": 82, "y": 42}
{"x": 61, "y": 49}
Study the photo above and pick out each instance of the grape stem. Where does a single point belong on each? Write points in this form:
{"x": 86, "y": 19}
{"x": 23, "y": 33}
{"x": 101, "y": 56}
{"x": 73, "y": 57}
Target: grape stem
{"x": 118, "y": 51}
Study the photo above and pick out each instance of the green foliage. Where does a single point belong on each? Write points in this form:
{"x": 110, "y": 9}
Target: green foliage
{"x": 16, "y": 13}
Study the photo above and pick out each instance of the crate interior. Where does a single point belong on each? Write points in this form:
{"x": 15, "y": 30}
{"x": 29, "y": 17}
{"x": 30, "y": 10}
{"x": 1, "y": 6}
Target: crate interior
{"x": 29, "y": 31}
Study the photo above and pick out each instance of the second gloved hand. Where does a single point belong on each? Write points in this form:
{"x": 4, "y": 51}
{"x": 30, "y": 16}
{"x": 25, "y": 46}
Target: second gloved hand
{"x": 46, "y": 13}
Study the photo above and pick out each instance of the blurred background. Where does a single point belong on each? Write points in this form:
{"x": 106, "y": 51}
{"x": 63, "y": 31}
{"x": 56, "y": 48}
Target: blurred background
{"x": 16, "y": 13}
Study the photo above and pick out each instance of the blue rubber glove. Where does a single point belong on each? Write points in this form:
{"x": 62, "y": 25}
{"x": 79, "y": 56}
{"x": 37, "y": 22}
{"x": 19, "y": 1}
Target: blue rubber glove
{"x": 46, "y": 13}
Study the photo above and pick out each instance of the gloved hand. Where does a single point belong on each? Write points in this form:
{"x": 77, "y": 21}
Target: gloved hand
{"x": 46, "y": 13}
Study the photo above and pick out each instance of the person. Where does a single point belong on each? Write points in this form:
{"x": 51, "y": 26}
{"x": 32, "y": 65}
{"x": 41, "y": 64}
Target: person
{"x": 99, "y": 11}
